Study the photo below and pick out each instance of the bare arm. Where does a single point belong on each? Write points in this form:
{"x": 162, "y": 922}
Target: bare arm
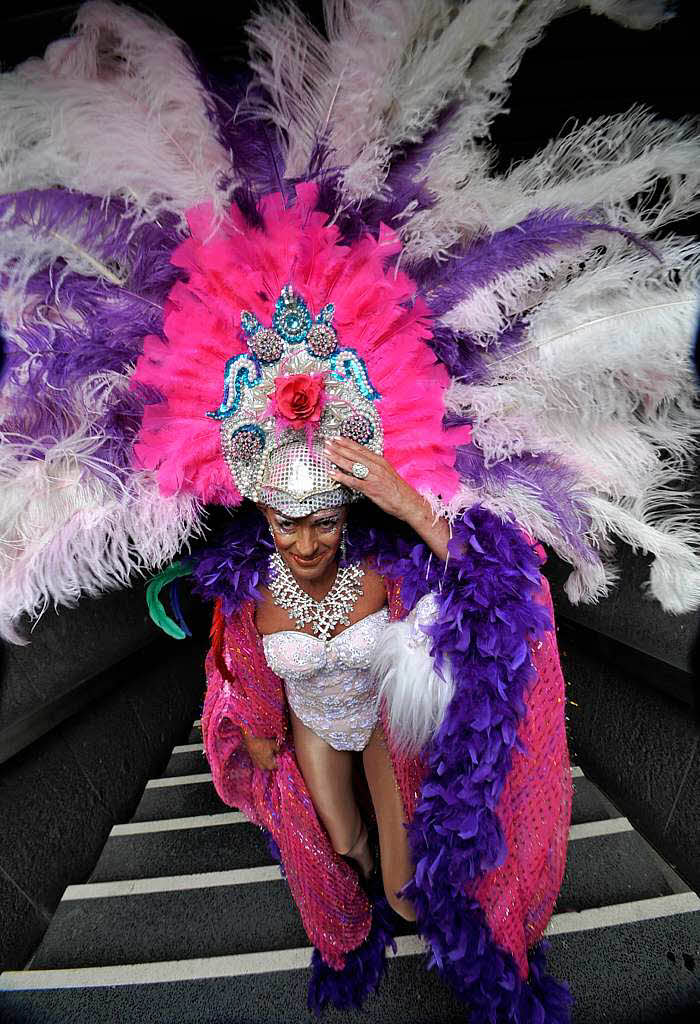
{"x": 388, "y": 489}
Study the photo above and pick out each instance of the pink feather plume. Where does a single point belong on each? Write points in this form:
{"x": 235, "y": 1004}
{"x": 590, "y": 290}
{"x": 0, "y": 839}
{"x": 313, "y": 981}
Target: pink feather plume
{"x": 238, "y": 267}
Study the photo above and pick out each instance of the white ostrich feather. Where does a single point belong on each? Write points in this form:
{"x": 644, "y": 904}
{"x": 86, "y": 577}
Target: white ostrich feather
{"x": 416, "y": 696}
{"x": 597, "y": 167}
{"x": 369, "y": 45}
{"x": 673, "y": 540}
{"x": 603, "y": 163}
{"x": 115, "y": 109}
{"x": 637, "y": 14}
{"x": 70, "y": 526}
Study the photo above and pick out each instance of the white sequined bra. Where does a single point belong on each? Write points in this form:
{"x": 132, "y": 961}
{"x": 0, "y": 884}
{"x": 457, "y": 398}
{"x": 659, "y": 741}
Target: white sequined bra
{"x": 328, "y": 683}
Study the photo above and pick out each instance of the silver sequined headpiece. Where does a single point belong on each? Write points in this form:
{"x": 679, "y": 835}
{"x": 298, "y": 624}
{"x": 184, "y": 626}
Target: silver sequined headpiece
{"x": 276, "y": 459}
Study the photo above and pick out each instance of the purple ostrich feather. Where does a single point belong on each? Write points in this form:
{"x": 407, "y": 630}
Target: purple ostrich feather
{"x": 467, "y": 361}
{"x": 541, "y": 233}
{"x": 547, "y": 478}
{"x": 252, "y": 140}
{"x": 77, "y": 326}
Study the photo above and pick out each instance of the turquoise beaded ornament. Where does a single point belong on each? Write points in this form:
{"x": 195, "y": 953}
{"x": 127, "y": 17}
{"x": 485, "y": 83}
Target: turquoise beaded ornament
{"x": 276, "y": 460}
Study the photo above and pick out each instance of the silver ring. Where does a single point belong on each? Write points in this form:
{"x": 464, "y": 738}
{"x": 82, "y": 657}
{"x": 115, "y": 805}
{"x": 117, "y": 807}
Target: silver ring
{"x": 359, "y": 470}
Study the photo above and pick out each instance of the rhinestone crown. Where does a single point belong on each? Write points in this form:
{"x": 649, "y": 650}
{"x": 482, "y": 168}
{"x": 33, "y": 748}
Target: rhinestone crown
{"x": 269, "y": 459}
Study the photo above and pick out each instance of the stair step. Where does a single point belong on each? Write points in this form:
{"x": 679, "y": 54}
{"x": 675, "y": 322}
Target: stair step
{"x": 210, "y": 913}
{"x": 148, "y": 854}
{"x": 186, "y": 760}
{"x": 631, "y": 960}
{"x": 179, "y": 801}
{"x": 216, "y": 921}
{"x": 607, "y": 869}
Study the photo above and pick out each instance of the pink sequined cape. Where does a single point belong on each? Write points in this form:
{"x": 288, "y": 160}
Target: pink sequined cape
{"x": 534, "y": 807}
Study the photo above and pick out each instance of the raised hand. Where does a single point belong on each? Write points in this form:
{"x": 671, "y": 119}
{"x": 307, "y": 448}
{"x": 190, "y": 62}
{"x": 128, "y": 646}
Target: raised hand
{"x": 387, "y": 489}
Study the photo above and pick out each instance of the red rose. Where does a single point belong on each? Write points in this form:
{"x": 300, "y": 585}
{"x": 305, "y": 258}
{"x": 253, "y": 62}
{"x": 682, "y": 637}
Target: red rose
{"x": 300, "y": 398}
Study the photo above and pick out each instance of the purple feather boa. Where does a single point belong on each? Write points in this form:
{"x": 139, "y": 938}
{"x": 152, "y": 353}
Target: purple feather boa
{"x": 364, "y": 966}
{"x": 232, "y": 569}
{"x": 487, "y": 618}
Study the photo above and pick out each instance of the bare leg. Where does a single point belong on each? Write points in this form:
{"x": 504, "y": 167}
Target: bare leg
{"x": 397, "y": 867}
{"x": 328, "y": 774}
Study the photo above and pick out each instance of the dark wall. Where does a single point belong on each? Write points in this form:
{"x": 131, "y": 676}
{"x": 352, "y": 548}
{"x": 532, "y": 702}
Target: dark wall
{"x": 135, "y": 695}
{"x": 640, "y": 746}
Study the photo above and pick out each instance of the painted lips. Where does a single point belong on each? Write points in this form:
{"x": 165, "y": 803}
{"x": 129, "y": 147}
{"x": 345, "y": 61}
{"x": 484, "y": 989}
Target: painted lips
{"x": 307, "y": 561}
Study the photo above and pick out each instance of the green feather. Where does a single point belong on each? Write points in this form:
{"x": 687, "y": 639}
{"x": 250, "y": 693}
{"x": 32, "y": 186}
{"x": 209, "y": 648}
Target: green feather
{"x": 155, "y": 605}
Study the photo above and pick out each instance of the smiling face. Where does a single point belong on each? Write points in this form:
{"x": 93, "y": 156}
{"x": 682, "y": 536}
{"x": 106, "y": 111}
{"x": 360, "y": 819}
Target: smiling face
{"x": 307, "y": 545}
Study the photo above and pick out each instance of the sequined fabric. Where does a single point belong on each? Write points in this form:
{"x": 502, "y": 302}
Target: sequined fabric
{"x": 243, "y": 692}
{"x": 534, "y": 807}
{"x": 327, "y": 683}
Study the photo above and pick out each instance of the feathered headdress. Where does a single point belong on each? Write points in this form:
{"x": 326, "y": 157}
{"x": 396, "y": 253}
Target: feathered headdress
{"x": 278, "y": 310}
{"x": 528, "y": 333}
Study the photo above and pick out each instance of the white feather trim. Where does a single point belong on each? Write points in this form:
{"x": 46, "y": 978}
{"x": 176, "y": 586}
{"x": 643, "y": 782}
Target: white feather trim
{"x": 416, "y": 696}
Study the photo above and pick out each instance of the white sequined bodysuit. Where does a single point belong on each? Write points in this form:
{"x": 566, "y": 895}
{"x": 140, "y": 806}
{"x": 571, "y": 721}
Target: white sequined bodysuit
{"x": 327, "y": 682}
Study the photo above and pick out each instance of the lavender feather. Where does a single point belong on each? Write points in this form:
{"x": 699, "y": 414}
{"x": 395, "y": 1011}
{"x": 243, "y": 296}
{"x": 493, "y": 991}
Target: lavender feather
{"x": 552, "y": 483}
{"x": 541, "y": 233}
{"x": 94, "y": 325}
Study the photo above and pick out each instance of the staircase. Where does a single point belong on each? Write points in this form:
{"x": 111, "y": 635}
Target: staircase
{"x": 186, "y": 919}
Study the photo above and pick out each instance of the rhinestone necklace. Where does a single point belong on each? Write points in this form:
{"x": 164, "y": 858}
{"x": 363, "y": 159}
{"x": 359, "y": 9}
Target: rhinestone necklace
{"x": 323, "y": 615}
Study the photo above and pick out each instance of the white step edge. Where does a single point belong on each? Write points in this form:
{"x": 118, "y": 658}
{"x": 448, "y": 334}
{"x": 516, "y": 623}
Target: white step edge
{"x": 179, "y": 780}
{"x": 197, "y": 721}
{"x": 624, "y": 913}
{"x": 132, "y": 828}
{"x": 188, "y": 780}
{"x": 606, "y": 827}
{"x": 172, "y": 883}
{"x": 243, "y": 876}
{"x": 187, "y": 748}
{"x": 299, "y": 959}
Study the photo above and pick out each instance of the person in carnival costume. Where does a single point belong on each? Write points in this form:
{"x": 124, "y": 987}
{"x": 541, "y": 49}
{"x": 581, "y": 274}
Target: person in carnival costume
{"x": 303, "y": 294}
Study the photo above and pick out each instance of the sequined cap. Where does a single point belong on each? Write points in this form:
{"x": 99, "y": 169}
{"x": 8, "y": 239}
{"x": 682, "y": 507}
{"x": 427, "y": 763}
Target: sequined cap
{"x": 293, "y": 388}
{"x": 296, "y": 481}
